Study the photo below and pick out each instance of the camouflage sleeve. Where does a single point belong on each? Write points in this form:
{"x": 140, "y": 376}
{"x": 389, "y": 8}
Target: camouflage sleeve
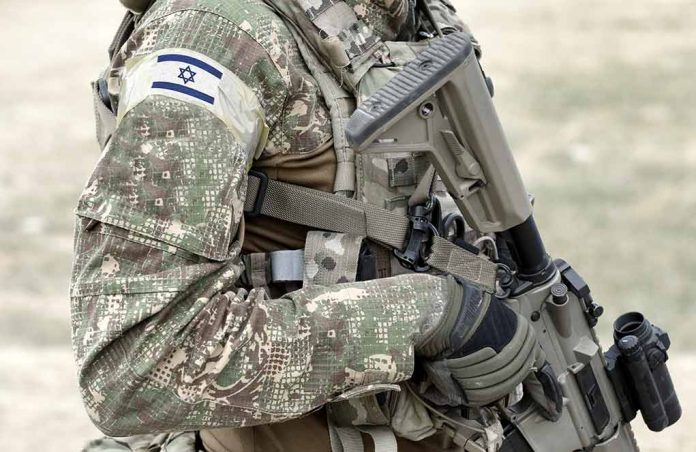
{"x": 163, "y": 339}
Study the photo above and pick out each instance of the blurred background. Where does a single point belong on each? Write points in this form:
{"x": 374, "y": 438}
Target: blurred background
{"x": 599, "y": 101}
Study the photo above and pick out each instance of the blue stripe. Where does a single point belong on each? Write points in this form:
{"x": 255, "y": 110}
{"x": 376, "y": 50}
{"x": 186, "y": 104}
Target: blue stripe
{"x": 185, "y": 90}
{"x": 190, "y": 60}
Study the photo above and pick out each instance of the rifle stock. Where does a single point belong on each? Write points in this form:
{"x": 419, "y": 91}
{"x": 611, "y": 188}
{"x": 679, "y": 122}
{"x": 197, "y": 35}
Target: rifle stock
{"x": 439, "y": 104}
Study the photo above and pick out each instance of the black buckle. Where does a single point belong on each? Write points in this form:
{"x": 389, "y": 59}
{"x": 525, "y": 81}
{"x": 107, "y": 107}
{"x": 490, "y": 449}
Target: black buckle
{"x": 103, "y": 92}
{"x": 416, "y": 253}
{"x": 260, "y": 193}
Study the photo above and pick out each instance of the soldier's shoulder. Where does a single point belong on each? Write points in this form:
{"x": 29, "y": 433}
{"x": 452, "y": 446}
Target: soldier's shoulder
{"x": 236, "y": 11}
{"x": 245, "y": 36}
{"x": 253, "y": 17}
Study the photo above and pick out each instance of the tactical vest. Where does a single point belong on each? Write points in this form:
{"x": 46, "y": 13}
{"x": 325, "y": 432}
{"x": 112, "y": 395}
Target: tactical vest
{"x": 349, "y": 62}
{"x": 374, "y": 194}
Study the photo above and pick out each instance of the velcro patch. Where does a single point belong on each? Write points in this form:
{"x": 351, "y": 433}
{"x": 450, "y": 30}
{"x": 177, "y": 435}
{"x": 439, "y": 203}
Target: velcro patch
{"x": 188, "y": 76}
{"x": 194, "y": 78}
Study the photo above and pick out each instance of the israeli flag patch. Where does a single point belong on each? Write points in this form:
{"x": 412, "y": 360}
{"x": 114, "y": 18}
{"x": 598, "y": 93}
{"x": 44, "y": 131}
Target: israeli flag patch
{"x": 194, "y": 78}
{"x": 187, "y": 75}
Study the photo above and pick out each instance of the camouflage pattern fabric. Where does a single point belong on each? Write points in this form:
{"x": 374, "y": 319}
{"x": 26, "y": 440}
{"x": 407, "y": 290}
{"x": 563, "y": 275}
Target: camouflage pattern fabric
{"x": 164, "y": 338}
{"x": 386, "y": 18}
{"x": 341, "y": 40}
{"x": 359, "y": 412}
{"x": 350, "y": 36}
{"x": 399, "y": 20}
{"x": 445, "y": 15}
{"x": 245, "y": 37}
{"x": 331, "y": 258}
{"x": 167, "y": 442}
{"x": 256, "y": 266}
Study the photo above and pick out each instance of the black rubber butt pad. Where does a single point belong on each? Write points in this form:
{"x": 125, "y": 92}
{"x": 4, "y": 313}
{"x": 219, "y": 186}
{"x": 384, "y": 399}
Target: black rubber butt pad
{"x": 418, "y": 77}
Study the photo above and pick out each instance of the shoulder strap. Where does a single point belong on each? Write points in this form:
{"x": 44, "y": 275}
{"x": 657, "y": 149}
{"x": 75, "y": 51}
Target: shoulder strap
{"x": 331, "y": 28}
{"x": 125, "y": 30}
{"x": 136, "y": 8}
{"x": 335, "y": 45}
{"x": 105, "y": 114}
{"x": 329, "y": 212}
{"x": 341, "y": 105}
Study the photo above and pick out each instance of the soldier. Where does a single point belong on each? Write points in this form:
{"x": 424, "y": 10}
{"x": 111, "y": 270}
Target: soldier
{"x": 186, "y": 317}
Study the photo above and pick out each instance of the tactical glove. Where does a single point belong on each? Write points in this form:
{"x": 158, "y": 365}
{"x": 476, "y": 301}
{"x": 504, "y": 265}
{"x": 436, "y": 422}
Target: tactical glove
{"x": 481, "y": 351}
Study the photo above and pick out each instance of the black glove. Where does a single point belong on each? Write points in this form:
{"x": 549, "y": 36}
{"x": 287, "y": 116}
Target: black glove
{"x": 481, "y": 350}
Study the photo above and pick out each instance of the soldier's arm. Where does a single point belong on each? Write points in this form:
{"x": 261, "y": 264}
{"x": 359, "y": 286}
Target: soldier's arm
{"x": 163, "y": 339}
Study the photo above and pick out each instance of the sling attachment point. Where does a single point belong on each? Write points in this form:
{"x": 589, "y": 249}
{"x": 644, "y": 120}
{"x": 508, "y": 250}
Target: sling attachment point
{"x": 422, "y": 218}
{"x": 328, "y": 212}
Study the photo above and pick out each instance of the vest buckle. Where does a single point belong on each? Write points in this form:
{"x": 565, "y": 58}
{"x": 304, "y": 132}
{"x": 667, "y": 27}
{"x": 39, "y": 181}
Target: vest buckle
{"x": 260, "y": 194}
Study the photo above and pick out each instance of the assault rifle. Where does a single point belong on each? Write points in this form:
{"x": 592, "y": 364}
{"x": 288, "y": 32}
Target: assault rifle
{"x": 440, "y": 105}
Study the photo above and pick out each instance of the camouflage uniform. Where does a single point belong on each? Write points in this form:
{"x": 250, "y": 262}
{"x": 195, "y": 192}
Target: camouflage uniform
{"x": 165, "y": 337}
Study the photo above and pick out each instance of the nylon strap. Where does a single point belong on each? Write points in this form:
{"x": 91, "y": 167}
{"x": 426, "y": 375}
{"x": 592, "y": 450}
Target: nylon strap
{"x": 348, "y": 439}
{"x": 125, "y": 30}
{"x": 345, "y": 439}
{"x": 383, "y": 437}
{"x": 326, "y": 211}
{"x": 341, "y": 105}
{"x": 258, "y": 269}
{"x": 105, "y": 119}
{"x": 287, "y": 265}
{"x": 346, "y": 44}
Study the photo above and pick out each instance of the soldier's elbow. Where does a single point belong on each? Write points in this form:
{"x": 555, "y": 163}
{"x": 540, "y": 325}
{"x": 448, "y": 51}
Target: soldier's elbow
{"x": 110, "y": 401}
{"x": 109, "y": 423}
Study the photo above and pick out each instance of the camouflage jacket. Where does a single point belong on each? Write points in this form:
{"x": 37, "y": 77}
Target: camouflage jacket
{"x": 164, "y": 338}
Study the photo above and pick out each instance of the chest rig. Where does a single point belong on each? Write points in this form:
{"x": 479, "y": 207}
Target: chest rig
{"x": 394, "y": 201}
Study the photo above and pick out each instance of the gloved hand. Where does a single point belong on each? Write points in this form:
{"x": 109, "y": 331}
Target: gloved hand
{"x": 481, "y": 350}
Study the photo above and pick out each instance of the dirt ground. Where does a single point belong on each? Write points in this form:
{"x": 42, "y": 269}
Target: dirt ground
{"x": 598, "y": 99}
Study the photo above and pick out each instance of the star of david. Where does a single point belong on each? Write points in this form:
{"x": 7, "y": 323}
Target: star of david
{"x": 186, "y": 74}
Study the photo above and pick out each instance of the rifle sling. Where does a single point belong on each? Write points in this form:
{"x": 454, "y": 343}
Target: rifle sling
{"x": 326, "y": 211}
